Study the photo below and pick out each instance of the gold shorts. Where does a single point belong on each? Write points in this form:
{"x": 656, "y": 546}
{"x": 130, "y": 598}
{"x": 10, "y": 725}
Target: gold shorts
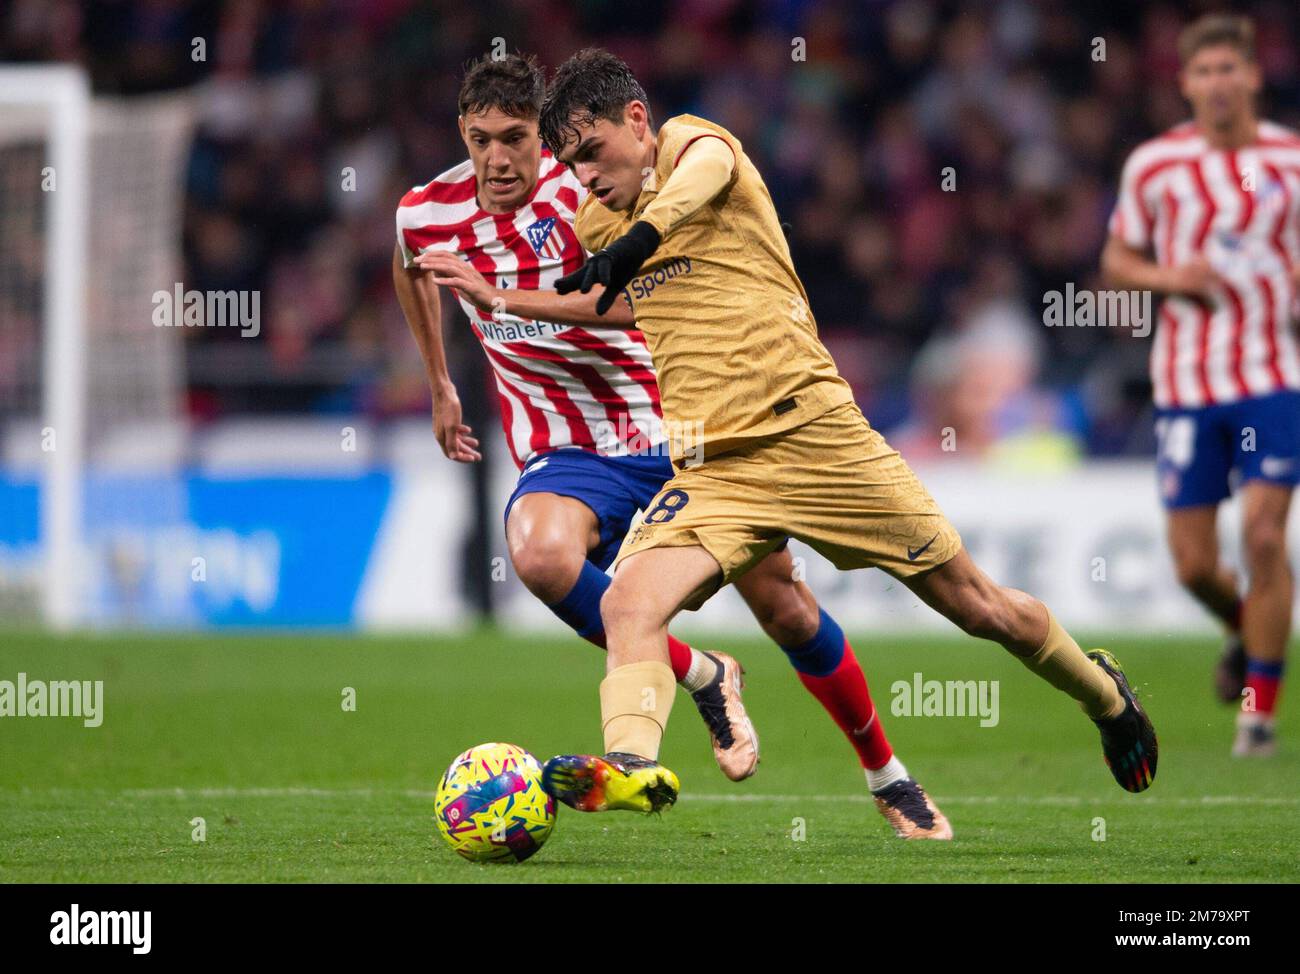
{"x": 833, "y": 483}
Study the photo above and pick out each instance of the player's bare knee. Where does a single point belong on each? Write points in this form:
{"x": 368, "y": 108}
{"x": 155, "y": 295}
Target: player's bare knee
{"x": 1195, "y": 563}
{"x": 1265, "y": 546}
{"x": 548, "y": 566}
{"x": 789, "y": 620}
{"x": 1195, "y": 573}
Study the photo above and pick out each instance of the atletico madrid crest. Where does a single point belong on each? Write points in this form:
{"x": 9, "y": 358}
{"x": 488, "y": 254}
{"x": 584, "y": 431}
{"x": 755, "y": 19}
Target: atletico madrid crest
{"x": 545, "y": 243}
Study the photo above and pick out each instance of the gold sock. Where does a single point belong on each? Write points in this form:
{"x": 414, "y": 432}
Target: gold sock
{"x": 635, "y": 701}
{"x": 1061, "y": 663}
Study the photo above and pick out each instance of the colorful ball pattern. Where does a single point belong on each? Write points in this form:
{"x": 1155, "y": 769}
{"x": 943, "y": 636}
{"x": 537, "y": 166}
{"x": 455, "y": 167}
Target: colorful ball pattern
{"x": 490, "y": 806}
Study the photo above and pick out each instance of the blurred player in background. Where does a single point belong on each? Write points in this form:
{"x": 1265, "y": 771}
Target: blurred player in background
{"x": 683, "y": 221}
{"x": 1208, "y": 217}
{"x": 583, "y": 422}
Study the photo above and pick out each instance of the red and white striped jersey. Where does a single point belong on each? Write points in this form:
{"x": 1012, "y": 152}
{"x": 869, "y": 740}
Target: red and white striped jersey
{"x": 558, "y": 385}
{"x": 1240, "y": 210}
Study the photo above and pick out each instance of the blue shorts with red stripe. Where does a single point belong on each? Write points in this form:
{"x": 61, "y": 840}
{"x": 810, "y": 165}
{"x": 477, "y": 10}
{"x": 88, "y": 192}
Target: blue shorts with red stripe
{"x": 1199, "y": 450}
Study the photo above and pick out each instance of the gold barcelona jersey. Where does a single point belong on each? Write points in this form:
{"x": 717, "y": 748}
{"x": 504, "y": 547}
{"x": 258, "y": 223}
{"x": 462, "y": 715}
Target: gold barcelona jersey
{"x": 724, "y": 314}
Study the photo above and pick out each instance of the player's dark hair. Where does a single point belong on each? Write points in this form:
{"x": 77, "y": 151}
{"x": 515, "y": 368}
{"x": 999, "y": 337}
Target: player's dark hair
{"x": 1215, "y": 29}
{"x": 590, "y": 85}
{"x": 514, "y": 84}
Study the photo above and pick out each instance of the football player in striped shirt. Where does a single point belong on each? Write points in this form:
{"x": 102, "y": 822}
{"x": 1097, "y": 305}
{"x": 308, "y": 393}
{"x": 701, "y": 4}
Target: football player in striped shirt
{"x": 1208, "y": 216}
{"x": 583, "y": 422}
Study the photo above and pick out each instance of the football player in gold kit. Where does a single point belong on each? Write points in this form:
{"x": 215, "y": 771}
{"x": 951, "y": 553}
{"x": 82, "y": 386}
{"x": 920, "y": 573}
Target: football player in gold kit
{"x": 680, "y": 221}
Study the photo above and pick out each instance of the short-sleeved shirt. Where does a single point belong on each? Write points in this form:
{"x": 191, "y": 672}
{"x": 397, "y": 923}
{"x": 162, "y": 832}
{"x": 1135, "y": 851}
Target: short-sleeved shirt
{"x": 1239, "y": 210}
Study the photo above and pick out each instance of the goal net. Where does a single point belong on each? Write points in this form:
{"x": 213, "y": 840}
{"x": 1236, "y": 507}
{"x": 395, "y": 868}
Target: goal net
{"x": 91, "y": 193}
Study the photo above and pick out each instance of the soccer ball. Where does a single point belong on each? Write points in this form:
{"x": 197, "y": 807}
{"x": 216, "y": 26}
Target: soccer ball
{"x": 490, "y": 806}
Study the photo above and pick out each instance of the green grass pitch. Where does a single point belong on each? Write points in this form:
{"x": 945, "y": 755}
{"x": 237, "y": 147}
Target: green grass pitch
{"x": 248, "y": 733}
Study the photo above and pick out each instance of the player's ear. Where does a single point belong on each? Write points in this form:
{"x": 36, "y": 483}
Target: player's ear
{"x": 637, "y": 116}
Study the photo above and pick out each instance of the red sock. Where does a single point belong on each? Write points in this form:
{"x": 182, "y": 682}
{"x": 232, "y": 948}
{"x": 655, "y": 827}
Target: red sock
{"x": 843, "y": 692}
{"x": 679, "y": 657}
{"x": 1265, "y": 681}
{"x": 679, "y": 654}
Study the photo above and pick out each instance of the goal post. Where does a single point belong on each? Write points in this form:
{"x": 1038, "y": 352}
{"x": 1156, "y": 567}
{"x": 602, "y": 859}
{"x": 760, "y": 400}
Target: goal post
{"x": 57, "y": 99}
{"x": 91, "y": 206}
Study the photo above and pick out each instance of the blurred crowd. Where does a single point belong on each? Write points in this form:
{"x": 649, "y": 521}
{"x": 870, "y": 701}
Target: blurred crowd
{"x": 944, "y": 165}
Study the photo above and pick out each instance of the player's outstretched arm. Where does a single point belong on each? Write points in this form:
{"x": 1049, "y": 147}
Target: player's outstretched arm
{"x": 539, "y": 305}
{"x": 1130, "y": 269}
{"x": 418, "y": 297}
{"x": 702, "y": 172}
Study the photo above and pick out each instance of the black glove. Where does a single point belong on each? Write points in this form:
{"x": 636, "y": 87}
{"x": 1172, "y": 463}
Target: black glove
{"x": 614, "y": 267}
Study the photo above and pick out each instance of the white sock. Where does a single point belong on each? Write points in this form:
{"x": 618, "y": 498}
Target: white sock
{"x": 882, "y": 778}
{"x": 701, "y": 672}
